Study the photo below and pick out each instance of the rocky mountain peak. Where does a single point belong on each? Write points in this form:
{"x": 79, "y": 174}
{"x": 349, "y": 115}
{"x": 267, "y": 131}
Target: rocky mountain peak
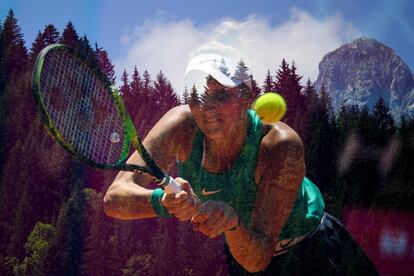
{"x": 363, "y": 70}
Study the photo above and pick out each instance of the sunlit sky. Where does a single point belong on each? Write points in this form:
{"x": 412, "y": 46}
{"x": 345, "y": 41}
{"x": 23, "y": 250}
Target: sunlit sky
{"x": 163, "y": 35}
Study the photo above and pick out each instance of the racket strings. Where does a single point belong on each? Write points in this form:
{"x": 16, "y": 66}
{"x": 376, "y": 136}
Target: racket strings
{"x": 82, "y": 109}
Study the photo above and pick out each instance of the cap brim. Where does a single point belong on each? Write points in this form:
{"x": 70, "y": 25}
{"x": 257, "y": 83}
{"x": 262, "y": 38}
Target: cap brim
{"x": 207, "y": 64}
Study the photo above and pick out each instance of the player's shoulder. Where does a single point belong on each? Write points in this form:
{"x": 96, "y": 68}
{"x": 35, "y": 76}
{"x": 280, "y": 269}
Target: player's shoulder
{"x": 280, "y": 145}
{"x": 280, "y": 137}
{"x": 178, "y": 117}
{"x": 183, "y": 127}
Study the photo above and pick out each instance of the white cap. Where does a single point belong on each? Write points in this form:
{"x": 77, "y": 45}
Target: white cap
{"x": 220, "y": 68}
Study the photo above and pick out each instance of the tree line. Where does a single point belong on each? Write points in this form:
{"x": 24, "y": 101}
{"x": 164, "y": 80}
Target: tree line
{"x": 51, "y": 217}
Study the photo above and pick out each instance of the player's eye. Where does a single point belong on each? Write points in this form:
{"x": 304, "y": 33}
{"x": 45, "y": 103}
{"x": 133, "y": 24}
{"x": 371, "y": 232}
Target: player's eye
{"x": 222, "y": 96}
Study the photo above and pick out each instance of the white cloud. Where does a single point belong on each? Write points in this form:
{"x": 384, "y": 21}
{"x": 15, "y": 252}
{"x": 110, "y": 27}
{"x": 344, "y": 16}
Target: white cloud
{"x": 168, "y": 45}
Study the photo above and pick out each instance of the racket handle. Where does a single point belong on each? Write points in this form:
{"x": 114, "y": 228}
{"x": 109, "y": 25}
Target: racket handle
{"x": 170, "y": 185}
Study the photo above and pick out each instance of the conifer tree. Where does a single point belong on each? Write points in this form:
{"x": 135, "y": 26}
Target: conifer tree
{"x": 311, "y": 102}
{"x": 104, "y": 63}
{"x": 147, "y": 106}
{"x": 400, "y": 189}
{"x": 99, "y": 253}
{"x": 136, "y": 83}
{"x": 38, "y": 44}
{"x": 2, "y": 60}
{"x": 241, "y": 72}
{"x": 186, "y": 96}
{"x": 167, "y": 98}
{"x": 366, "y": 128}
{"x": 3, "y": 102}
{"x": 194, "y": 99}
{"x": 295, "y": 80}
{"x": 23, "y": 213}
{"x": 147, "y": 83}
{"x": 287, "y": 83}
{"x": 125, "y": 87}
{"x": 321, "y": 147}
{"x": 8, "y": 199}
{"x": 309, "y": 93}
{"x": 14, "y": 177}
{"x": 255, "y": 89}
{"x": 268, "y": 84}
{"x": 68, "y": 243}
{"x": 383, "y": 122}
{"x": 361, "y": 180}
{"x": 125, "y": 91}
{"x": 85, "y": 49}
{"x": 50, "y": 34}
{"x": 282, "y": 80}
{"x": 297, "y": 104}
{"x": 15, "y": 53}
{"x": 135, "y": 98}
{"x": 69, "y": 36}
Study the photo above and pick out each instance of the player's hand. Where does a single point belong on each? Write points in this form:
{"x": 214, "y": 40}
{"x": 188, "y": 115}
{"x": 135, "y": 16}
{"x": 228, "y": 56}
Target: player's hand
{"x": 183, "y": 205}
{"x": 214, "y": 218}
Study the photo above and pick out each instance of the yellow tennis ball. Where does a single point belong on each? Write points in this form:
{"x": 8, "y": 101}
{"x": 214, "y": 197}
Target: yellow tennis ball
{"x": 270, "y": 107}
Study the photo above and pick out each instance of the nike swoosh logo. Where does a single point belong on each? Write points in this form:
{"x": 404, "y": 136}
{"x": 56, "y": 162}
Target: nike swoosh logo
{"x": 204, "y": 192}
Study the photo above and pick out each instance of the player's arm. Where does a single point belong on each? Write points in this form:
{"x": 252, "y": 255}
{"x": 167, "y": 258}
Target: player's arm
{"x": 253, "y": 247}
{"x": 129, "y": 197}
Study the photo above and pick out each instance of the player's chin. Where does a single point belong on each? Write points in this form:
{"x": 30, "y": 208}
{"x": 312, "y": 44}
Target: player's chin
{"x": 214, "y": 133}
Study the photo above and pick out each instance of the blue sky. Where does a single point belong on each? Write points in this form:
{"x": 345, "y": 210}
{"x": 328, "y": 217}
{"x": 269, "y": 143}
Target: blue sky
{"x": 161, "y": 35}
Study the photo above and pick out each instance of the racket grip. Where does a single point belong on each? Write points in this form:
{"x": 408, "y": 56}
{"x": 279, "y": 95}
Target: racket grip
{"x": 171, "y": 186}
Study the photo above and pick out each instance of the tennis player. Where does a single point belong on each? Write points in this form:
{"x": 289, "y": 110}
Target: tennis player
{"x": 241, "y": 178}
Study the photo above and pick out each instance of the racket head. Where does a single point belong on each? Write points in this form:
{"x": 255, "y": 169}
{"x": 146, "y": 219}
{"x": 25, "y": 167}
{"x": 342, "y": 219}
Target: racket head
{"x": 80, "y": 109}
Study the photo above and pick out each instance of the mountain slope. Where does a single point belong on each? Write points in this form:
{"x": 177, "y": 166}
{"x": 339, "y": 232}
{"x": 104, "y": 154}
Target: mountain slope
{"x": 363, "y": 70}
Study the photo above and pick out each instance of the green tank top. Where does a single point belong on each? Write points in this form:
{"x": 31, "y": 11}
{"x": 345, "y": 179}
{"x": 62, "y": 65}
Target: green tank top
{"x": 237, "y": 185}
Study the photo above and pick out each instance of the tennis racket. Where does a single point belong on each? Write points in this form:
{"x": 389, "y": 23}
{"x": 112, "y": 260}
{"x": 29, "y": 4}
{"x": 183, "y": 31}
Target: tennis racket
{"x": 86, "y": 116}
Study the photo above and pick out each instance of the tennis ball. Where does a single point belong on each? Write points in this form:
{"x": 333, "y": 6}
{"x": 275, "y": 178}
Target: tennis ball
{"x": 270, "y": 107}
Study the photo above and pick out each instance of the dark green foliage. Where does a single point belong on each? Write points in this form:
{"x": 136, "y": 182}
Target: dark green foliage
{"x": 194, "y": 99}
{"x": 101, "y": 250}
{"x": 13, "y": 62}
{"x": 68, "y": 243}
{"x": 398, "y": 189}
{"x": 14, "y": 51}
{"x": 104, "y": 63}
{"x": 287, "y": 84}
{"x": 164, "y": 94}
{"x": 268, "y": 84}
{"x": 49, "y": 36}
{"x": 38, "y": 253}
{"x": 136, "y": 83}
{"x": 186, "y": 96}
{"x": 3, "y": 101}
{"x": 255, "y": 89}
{"x": 85, "y": 49}
{"x": 69, "y": 36}
{"x": 383, "y": 122}
{"x": 321, "y": 140}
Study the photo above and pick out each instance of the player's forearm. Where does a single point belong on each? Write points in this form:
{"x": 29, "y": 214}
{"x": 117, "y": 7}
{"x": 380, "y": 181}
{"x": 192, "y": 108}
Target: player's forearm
{"x": 128, "y": 201}
{"x": 251, "y": 249}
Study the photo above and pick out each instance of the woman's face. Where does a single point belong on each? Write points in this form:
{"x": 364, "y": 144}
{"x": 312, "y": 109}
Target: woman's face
{"x": 220, "y": 110}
